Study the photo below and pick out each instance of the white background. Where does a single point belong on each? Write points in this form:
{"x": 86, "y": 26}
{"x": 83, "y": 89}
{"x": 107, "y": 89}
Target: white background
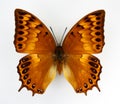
{"x": 60, "y": 14}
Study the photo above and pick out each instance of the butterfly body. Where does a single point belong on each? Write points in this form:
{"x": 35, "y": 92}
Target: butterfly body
{"x": 59, "y": 53}
{"x": 74, "y": 57}
{"x": 59, "y": 58}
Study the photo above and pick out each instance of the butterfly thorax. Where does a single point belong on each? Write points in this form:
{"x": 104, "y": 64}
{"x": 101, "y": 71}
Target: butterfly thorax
{"x": 59, "y": 53}
{"x": 59, "y": 58}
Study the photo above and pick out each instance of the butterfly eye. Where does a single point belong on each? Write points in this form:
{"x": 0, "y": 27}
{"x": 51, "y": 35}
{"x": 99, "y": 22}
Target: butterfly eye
{"x": 25, "y": 64}
{"x": 96, "y": 14}
{"x": 21, "y": 32}
{"x": 28, "y": 81}
{"x": 97, "y": 33}
{"x": 40, "y": 91}
{"x": 20, "y": 21}
{"x": 22, "y": 13}
{"x": 80, "y": 26}
{"x": 98, "y": 46}
{"x": 20, "y": 38}
{"x": 97, "y": 27}
{"x": 93, "y": 76}
{"x": 21, "y": 27}
{"x": 33, "y": 85}
{"x": 20, "y": 17}
{"x": 20, "y": 46}
{"x": 26, "y": 76}
{"x": 98, "y": 39}
{"x": 39, "y": 26}
{"x": 87, "y": 19}
{"x": 79, "y": 90}
{"x": 46, "y": 33}
{"x": 93, "y": 64}
{"x": 92, "y": 59}
{"x": 98, "y": 18}
{"x": 32, "y": 19}
{"x": 90, "y": 81}
{"x": 85, "y": 85}
{"x": 72, "y": 33}
{"x": 98, "y": 23}
{"x": 24, "y": 59}
{"x": 93, "y": 70}
{"x": 25, "y": 70}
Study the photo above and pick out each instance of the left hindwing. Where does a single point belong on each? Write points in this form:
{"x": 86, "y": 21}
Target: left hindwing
{"x": 36, "y": 72}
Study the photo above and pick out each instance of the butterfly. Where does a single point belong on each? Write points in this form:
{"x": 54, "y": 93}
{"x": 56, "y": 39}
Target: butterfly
{"x": 73, "y": 57}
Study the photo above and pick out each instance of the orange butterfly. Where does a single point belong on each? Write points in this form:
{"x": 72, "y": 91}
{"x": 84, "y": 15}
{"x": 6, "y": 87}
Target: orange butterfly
{"x": 73, "y": 57}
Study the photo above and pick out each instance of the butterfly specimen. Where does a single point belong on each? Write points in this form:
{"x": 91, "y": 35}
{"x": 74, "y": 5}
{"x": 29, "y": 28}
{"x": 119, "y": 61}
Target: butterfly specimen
{"x": 73, "y": 57}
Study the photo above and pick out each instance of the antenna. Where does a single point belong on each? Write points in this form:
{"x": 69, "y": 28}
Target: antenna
{"x": 54, "y": 35}
{"x": 63, "y": 36}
